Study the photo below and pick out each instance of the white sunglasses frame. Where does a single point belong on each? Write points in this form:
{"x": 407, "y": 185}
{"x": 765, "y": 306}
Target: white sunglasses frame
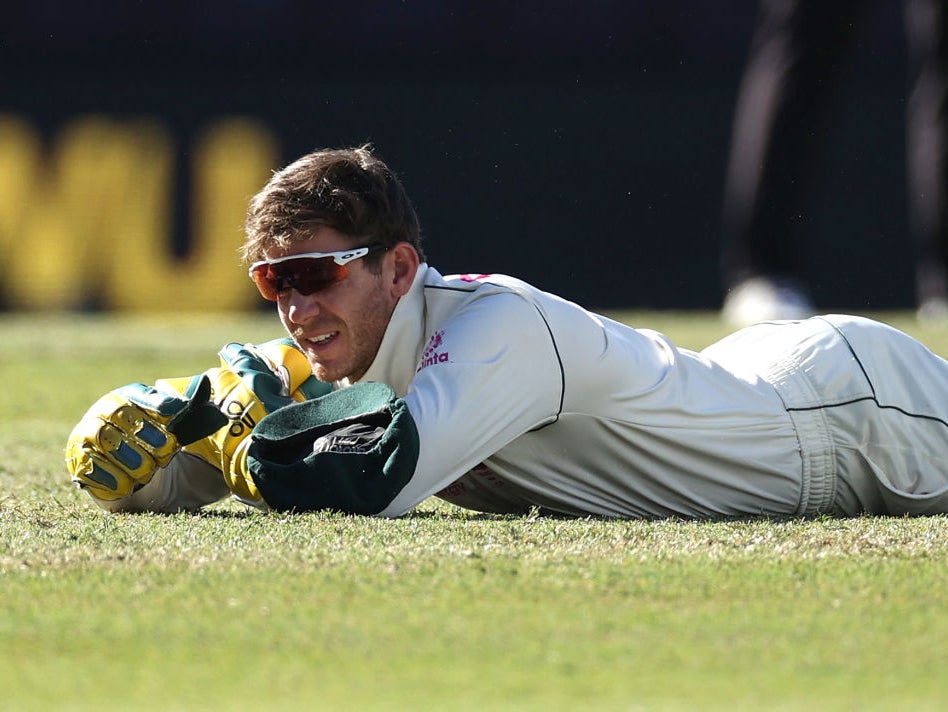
{"x": 341, "y": 257}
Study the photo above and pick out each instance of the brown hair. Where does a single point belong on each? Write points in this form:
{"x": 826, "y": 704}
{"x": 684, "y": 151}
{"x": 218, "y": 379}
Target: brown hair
{"x": 349, "y": 190}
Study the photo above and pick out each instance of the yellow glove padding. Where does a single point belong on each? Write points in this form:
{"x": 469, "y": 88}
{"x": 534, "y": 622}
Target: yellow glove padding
{"x": 125, "y": 437}
{"x": 129, "y": 433}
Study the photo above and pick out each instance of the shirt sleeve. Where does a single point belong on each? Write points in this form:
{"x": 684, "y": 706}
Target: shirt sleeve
{"x": 187, "y": 483}
{"x": 490, "y": 373}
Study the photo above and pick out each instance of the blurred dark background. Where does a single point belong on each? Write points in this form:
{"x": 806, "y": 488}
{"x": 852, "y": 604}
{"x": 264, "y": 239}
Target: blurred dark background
{"x": 580, "y": 146}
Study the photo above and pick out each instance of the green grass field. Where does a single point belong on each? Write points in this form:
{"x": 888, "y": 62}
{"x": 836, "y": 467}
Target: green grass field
{"x": 441, "y": 610}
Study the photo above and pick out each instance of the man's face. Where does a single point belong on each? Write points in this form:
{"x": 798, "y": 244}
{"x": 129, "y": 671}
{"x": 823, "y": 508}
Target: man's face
{"x": 341, "y": 327}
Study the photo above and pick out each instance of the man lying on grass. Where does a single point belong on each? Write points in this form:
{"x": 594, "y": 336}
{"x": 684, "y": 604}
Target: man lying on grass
{"x": 399, "y": 383}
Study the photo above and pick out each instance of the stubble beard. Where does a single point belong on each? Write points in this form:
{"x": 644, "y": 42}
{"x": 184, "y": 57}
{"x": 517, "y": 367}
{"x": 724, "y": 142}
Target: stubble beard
{"x": 363, "y": 335}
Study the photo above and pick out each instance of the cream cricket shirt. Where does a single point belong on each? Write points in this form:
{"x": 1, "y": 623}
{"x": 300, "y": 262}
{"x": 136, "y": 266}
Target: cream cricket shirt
{"x": 523, "y": 399}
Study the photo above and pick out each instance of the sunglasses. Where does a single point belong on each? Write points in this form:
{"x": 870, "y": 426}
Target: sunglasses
{"x": 307, "y": 273}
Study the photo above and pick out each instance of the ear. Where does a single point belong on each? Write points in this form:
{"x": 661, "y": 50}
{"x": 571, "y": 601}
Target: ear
{"x": 403, "y": 261}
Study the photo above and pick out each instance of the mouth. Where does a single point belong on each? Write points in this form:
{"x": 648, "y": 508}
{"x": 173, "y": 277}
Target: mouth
{"x": 319, "y": 341}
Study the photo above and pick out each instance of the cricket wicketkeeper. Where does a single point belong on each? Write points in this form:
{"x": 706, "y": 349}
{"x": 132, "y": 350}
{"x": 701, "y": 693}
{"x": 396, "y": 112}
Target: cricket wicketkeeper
{"x": 397, "y": 384}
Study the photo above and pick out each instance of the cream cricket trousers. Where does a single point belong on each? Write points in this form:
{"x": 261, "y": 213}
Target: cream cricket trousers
{"x": 870, "y": 406}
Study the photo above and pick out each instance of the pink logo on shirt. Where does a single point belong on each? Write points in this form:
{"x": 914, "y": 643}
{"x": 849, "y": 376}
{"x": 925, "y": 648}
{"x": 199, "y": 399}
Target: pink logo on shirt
{"x": 432, "y": 353}
{"x": 473, "y": 277}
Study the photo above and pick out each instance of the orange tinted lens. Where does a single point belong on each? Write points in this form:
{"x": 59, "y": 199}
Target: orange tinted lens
{"x": 265, "y": 282}
{"x": 306, "y": 275}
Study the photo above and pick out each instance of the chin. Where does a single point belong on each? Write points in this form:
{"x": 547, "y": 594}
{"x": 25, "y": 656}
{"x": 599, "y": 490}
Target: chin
{"x": 327, "y": 375}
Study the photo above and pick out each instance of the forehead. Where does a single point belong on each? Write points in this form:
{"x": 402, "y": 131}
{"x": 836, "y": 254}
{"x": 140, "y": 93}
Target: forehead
{"x": 320, "y": 239}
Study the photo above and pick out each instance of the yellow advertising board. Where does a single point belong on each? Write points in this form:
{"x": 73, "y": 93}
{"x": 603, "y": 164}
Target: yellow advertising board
{"x": 87, "y": 218}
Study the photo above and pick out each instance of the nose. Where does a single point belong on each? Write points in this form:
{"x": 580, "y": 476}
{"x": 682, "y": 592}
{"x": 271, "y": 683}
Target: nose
{"x": 300, "y": 308}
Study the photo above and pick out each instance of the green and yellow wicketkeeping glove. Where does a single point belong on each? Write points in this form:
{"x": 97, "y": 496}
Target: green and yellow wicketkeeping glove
{"x": 132, "y": 431}
{"x": 252, "y": 382}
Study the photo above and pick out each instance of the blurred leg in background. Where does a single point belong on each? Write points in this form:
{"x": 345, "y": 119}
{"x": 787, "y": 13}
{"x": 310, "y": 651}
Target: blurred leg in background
{"x": 779, "y": 133}
{"x": 926, "y": 27}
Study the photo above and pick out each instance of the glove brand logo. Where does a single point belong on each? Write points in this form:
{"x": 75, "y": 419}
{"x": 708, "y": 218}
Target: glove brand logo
{"x": 239, "y": 416}
{"x": 432, "y": 355}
